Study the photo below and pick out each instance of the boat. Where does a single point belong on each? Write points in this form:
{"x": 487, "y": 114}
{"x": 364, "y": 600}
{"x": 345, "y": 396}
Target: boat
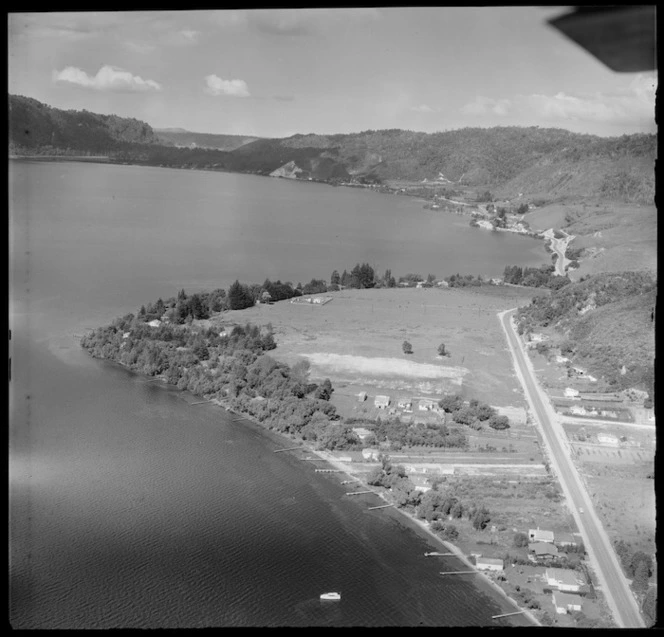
{"x": 330, "y": 596}
{"x": 434, "y": 553}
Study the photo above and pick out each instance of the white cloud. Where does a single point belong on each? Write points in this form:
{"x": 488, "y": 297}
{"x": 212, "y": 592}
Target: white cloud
{"x": 108, "y": 78}
{"x": 485, "y": 105}
{"x": 422, "y": 108}
{"x": 233, "y": 88}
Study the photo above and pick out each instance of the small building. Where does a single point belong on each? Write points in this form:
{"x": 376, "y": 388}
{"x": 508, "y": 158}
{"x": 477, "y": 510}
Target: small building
{"x": 578, "y": 410}
{"x": 370, "y": 454}
{"x": 443, "y": 284}
{"x": 539, "y": 535}
{"x": 564, "y": 602}
{"x": 426, "y": 405}
{"x": 155, "y": 323}
{"x": 608, "y": 439}
{"x": 489, "y": 564}
{"x": 362, "y": 433}
{"x": 563, "y": 579}
{"x": 362, "y": 396}
{"x": 404, "y": 403}
{"x": 571, "y": 393}
{"x": 382, "y": 402}
{"x": 561, "y": 359}
{"x": 565, "y": 539}
{"x": 543, "y": 550}
{"x": 536, "y": 337}
{"x": 608, "y": 413}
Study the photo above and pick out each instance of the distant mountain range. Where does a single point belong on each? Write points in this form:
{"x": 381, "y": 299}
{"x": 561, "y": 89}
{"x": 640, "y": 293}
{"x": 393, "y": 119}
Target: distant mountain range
{"x": 537, "y": 162}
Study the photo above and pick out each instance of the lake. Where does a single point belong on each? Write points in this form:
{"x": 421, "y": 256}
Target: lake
{"x": 128, "y": 507}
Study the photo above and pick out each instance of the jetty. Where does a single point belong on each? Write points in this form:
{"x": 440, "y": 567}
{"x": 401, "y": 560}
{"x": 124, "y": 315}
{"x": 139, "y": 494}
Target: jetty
{"x": 456, "y": 572}
{"x": 201, "y": 402}
{"x": 288, "y": 449}
{"x": 328, "y": 470}
{"x": 359, "y": 492}
{"x": 518, "y": 612}
{"x": 349, "y": 481}
{"x": 435, "y": 554}
{"x": 382, "y": 506}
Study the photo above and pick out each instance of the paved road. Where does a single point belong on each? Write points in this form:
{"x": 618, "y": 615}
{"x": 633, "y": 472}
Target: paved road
{"x": 602, "y": 556}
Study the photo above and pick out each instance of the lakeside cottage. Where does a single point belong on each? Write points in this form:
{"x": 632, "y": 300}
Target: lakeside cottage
{"x": 540, "y": 535}
{"x": 564, "y": 603}
{"x": 564, "y": 579}
{"x": 382, "y": 402}
{"x": 489, "y": 564}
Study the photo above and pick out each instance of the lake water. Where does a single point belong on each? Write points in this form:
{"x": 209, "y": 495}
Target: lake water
{"x": 130, "y": 508}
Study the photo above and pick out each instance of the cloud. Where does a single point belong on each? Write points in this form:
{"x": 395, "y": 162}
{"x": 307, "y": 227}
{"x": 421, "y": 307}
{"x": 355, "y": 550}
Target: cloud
{"x": 484, "y": 105}
{"x": 108, "y": 78}
{"x": 139, "y": 47}
{"x": 633, "y": 104}
{"x": 232, "y": 88}
{"x": 422, "y": 108}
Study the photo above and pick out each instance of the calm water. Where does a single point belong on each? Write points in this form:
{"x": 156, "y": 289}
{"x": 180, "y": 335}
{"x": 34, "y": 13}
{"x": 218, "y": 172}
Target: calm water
{"x": 129, "y": 508}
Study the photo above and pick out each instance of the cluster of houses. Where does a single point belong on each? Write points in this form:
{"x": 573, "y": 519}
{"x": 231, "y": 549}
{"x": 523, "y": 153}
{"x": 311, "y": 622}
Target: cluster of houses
{"x": 404, "y": 404}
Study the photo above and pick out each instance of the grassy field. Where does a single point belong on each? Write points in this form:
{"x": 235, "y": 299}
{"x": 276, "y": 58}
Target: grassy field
{"x": 356, "y": 341}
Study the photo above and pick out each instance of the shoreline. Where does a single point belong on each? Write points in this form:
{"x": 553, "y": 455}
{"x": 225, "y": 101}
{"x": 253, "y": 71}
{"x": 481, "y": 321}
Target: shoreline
{"x": 342, "y": 467}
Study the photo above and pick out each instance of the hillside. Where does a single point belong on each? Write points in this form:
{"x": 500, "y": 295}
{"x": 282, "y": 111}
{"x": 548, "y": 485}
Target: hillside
{"x": 602, "y": 323}
{"x": 35, "y": 128}
{"x": 186, "y": 139}
{"x": 536, "y": 162}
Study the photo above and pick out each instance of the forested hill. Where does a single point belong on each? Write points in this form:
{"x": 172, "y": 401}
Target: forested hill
{"x": 37, "y": 128}
{"x": 534, "y": 161}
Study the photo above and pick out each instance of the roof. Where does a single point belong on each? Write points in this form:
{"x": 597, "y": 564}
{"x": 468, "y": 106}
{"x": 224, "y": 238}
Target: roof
{"x": 541, "y": 534}
{"x": 382, "y": 399}
{"x": 542, "y": 548}
{"x": 563, "y": 575}
{"x": 565, "y": 537}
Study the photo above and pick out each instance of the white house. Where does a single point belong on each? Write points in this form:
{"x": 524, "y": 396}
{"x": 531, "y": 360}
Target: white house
{"x": 540, "y": 535}
{"x": 488, "y": 564}
{"x": 362, "y": 396}
{"x": 563, "y": 602}
{"x": 571, "y": 393}
{"x": 535, "y": 337}
{"x": 155, "y": 323}
{"x": 561, "y": 359}
{"x": 578, "y": 410}
{"x": 426, "y": 405}
{"x": 362, "y": 433}
{"x": 404, "y": 403}
{"x": 564, "y": 579}
{"x": 382, "y": 402}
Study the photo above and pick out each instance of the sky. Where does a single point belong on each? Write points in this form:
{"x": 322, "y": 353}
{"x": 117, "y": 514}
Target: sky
{"x": 275, "y": 73}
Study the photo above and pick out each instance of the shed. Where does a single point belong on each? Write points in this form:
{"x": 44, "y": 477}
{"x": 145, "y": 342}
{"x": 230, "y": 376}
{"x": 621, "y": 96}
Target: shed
{"x": 539, "y": 535}
{"x": 362, "y": 396}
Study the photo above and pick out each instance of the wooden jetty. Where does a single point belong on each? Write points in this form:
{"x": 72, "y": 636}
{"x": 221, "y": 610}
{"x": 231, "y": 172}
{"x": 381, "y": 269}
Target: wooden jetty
{"x": 328, "y": 471}
{"x": 456, "y": 572}
{"x": 349, "y": 481}
{"x": 359, "y": 492}
{"x": 382, "y": 506}
{"x": 519, "y": 612}
{"x": 437, "y": 554}
{"x": 288, "y": 449}
{"x": 201, "y": 402}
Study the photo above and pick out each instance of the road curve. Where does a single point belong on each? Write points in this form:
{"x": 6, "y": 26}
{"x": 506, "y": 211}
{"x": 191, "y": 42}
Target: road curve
{"x": 603, "y": 559}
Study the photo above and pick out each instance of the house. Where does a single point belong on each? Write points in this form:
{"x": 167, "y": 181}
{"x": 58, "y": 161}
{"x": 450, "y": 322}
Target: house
{"x": 564, "y": 579}
{"x": 608, "y": 413}
{"x": 362, "y": 396}
{"x": 564, "y": 603}
{"x": 344, "y": 459}
{"x": 543, "y": 550}
{"x": 539, "y": 535}
{"x": 404, "y": 403}
{"x": 362, "y": 433}
{"x": 443, "y": 284}
{"x": 426, "y": 405}
{"x": 536, "y": 337}
{"x": 155, "y": 323}
{"x": 496, "y": 281}
{"x": 488, "y": 564}
{"x": 578, "y": 410}
{"x": 571, "y": 393}
{"x": 382, "y": 402}
{"x": 370, "y": 454}
{"x": 608, "y": 439}
{"x": 565, "y": 539}
{"x": 421, "y": 483}
{"x": 562, "y": 359}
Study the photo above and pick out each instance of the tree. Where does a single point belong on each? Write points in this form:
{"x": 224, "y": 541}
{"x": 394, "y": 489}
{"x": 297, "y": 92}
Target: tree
{"x": 239, "y": 297}
{"x": 335, "y": 279}
{"x": 641, "y": 577}
{"x": 324, "y": 390}
{"x": 499, "y": 422}
{"x": 442, "y": 351}
{"x": 520, "y": 540}
{"x": 481, "y": 518}
{"x": 407, "y": 347}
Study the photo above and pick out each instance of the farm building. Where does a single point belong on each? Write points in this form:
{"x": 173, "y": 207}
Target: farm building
{"x": 608, "y": 439}
{"x": 543, "y": 550}
{"x": 362, "y": 396}
{"x": 404, "y": 403}
{"x": 382, "y": 402}
{"x": 565, "y": 603}
{"x": 489, "y": 564}
{"x": 565, "y": 539}
{"x": 564, "y": 579}
{"x": 370, "y": 454}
